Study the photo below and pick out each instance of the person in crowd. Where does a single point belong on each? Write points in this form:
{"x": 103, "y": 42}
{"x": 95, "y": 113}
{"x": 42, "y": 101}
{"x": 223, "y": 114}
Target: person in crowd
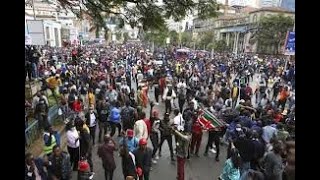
{"x": 91, "y": 98}
{"x": 53, "y": 84}
{"x": 143, "y": 157}
{"x": 59, "y": 165}
{"x": 196, "y": 137}
{"x": 155, "y": 133}
{"x": 130, "y": 141}
{"x": 281, "y": 134}
{"x": 231, "y": 168}
{"x": 284, "y": 95}
{"x": 128, "y": 163}
{"x": 272, "y": 162}
{"x": 103, "y": 114}
{"x": 214, "y": 137}
{"x": 141, "y": 129}
{"x": 50, "y": 138}
{"x": 73, "y": 144}
{"x": 41, "y": 114}
{"x": 106, "y": 153}
{"x": 34, "y": 168}
{"x": 168, "y": 96}
{"x": 86, "y": 146}
{"x": 183, "y": 141}
{"x": 115, "y": 119}
{"x": 165, "y": 129}
{"x": 91, "y": 121}
{"x": 127, "y": 116}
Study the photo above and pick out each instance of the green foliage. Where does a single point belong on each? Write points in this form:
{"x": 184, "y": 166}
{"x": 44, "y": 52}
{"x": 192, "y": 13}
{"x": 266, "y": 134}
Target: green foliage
{"x": 221, "y": 46}
{"x": 150, "y": 14}
{"x": 205, "y": 39}
{"x": 272, "y": 32}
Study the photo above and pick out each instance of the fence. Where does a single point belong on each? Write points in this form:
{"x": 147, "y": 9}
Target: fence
{"x": 32, "y": 132}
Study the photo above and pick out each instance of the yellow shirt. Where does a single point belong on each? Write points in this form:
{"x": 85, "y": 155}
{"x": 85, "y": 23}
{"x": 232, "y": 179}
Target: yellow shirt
{"x": 53, "y": 82}
{"x": 235, "y": 92}
{"x": 91, "y": 99}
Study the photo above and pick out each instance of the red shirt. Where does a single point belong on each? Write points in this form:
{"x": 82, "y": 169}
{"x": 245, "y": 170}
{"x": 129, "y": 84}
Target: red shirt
{"x": 77, "y": 106}
{"x": 196, "y": 127}
{"x": 148, "y": 123}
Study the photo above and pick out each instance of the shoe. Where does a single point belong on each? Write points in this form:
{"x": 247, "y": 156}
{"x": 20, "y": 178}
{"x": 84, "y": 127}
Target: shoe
{"x": 91, "y": 176}
{"x": 154, "y": 161}
{"x": 197, "y": 155}
{"x": 205, "y": 154}
{"x": 213, "y": 151}
{"x": 217, "y": 159}
{"x": 159, "y": 154}
{"x": 156, "y": 158}
{"x": 172, "y": 159}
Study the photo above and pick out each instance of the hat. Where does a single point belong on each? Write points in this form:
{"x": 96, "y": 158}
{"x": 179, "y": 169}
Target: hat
{"x": 285, "y": 112}
{"x": 57, "y": 75}
{"x": 242, "y": 101}
{"x": 83, "y": 166}
{"x": 130, "y": 133}
{"x": 142, "y": 141}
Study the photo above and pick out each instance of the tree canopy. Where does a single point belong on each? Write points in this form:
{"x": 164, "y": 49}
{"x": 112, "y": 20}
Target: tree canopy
{"x": 272, "y": 31}
{"x": 150, "y": 14}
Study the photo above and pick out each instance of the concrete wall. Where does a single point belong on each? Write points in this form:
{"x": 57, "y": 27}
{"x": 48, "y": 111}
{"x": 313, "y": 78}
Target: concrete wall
{"x": 53, "y": 39}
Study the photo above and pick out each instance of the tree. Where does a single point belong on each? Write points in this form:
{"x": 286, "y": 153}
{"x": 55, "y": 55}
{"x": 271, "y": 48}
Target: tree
{"x": 186, "y": 38}
{"x": 221, "y": 46}
{"x": 174, "y": 37}
{"x": 272, "y": 32}
{"x": 205, "y": 39}
{"x": 149, "y": 14}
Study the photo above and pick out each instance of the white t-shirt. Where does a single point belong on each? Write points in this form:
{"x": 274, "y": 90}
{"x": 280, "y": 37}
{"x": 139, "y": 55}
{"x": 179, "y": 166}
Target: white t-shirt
{"x": 72, "y": 137}
{"x": 92, "y": 120}
{"x": 179, "y": 122}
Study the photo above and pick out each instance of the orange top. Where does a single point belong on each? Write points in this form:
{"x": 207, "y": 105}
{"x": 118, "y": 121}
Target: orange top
{"x": 284, "y": 95}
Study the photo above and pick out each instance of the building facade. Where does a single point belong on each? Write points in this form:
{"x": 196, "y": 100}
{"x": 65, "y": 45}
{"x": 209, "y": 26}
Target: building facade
{"x": 288, "y": 4}
{"x": 270, "y": 3}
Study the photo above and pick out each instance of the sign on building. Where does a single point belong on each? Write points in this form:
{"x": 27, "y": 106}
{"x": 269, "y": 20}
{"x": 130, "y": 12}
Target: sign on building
{"x": 290, "y": 46}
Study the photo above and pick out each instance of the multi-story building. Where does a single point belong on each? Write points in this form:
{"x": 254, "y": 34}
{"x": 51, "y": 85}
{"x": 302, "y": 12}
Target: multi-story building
{"x": 238, "y": 29}
{"x": 288, "y": 4}
{"x": 270, "y": 3}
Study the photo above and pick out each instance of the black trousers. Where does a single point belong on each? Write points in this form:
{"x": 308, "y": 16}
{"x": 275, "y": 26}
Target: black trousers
{"x": 168, "y": 106}
{"x": 113, "y": 128}
{"x": 103, "y": 126}
{"x": 154, "y": 137}
{"x": 74, "y": 157}
{"x": 181, "y": 104}
{"x": 157, "y": 93}
{"x": 213, "y": 138}
{"x": 93, "y": 133}
{"x": 108, "y": 174}
{"x": 169, "y": 141}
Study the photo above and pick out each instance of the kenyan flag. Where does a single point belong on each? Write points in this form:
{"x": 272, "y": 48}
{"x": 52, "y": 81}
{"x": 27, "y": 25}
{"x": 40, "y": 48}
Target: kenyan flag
{"x": 208, "y": 120}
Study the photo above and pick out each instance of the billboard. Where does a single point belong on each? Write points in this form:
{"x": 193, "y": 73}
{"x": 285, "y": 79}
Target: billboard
{"x": 35, "y": 30}
{"x": 290, "y": 46}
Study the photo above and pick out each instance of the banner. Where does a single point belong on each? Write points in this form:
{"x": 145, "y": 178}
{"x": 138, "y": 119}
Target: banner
{"x": 290, "y": 46}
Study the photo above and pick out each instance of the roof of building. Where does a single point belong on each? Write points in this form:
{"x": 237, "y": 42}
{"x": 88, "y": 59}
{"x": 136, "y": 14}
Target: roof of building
{"x": 273, "y": 9}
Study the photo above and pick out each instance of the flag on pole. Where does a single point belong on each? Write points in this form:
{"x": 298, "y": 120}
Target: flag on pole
{"x": 209, "y": 121}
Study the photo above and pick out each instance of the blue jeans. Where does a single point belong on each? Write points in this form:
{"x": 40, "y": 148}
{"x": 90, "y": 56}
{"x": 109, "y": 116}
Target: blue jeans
{"x": 35, "y": 70}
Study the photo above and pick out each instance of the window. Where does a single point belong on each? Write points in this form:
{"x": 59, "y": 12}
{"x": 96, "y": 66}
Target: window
{"x": 48, "y": 32}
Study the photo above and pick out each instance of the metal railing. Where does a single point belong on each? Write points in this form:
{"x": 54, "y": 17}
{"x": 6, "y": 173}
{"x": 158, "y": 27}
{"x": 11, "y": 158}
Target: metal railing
{"x": 32, "y": 132}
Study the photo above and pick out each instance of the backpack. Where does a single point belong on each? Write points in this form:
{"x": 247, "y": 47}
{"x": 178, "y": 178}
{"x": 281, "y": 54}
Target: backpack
{"x": 127, "y": 114}
{"x": 169, "y": 92}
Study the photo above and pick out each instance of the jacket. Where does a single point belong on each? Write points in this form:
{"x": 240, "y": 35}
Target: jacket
{"x": 143, "y": 159}
{"x": 165, "y": 128}
{"x": 29, "y": 175}
{"x": 64, "y": 171}
{"x": 115, "y": 115}
{"x": 131, "y": 143}
{"x": 85, "y": 143}
{"x": 87, "y": 116}
{"x": 128, "y": 166}
{"x": 140, "y": 129}
{"x": 182, "y": 144}
{"x": 229, "y": 172}
{"x": 105, "y": 152}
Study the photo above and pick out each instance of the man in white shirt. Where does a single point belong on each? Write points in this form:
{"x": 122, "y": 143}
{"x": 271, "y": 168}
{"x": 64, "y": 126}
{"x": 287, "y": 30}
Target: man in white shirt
{"x": 34, "y": 170}
{"x": 169, "y": 95}
{"x": 140, "y": 129}
{"x": 178, "y": 121}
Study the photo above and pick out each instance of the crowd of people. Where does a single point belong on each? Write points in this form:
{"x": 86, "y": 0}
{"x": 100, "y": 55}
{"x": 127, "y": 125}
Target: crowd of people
{"x": 110, "y": 90}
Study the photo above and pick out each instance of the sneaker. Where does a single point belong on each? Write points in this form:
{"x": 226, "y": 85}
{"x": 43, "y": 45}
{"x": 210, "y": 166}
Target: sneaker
{"x": 156, "y": 104}
{"x": 213, "y": 151}
{"x": 205, "y": 154}
{"x": 156, "y": 158}
{"x": 154, "y": 161}
{"x": 91, "y": 176}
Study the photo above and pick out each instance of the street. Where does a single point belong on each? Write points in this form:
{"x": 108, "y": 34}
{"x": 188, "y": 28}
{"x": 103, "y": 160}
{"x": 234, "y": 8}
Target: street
{"x": 197, "y": 168}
